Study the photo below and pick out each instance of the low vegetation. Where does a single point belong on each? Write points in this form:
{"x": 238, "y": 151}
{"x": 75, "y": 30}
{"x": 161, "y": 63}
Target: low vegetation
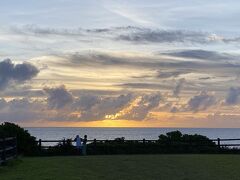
{"x": 172, "y": 142}
{"x": 26, "y": 144}
{"x": 161, "y": 167}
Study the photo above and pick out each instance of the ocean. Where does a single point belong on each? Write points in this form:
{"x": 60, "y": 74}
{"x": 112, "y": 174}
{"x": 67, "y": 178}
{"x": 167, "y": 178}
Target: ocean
{"x": 58, "y": 133}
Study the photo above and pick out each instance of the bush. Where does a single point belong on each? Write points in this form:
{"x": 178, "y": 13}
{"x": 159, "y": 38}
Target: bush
{"x": 26, "y": 144}
{"x": 178, "y": 137}
{"x": 175, "y": 141}
{"x": 171, "y": 142}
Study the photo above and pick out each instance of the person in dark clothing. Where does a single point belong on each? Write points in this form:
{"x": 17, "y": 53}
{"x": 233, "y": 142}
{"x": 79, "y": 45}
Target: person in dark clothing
{"x": 84, "y": 149}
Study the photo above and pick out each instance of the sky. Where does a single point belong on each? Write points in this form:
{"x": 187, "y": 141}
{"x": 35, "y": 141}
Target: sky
{"x": 120, "y": 63}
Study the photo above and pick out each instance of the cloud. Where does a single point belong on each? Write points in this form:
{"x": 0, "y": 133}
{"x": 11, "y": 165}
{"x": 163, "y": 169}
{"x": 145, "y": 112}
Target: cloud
{"x": 174, "y": 109}
{"x": 22, "y": 103}
{"x": 179, "y": 86}
{"x": 229, "y": 40}
{"x": 201, "y": 102}
{"x": 15, "y": 73}
{"x": 60, "y": 105}
{"x": 140, "y": 85}
{"x": 145, "y": 71}
{"x": 22, "y": 91}
{"x": 163, "y": 74}
{"x": 46, "y": 31}
{"x": 202, "y": 54}
{"x": 169, "y": 84}
{"x": 58, "y": 97}
{"x": 233, "y": 96}
{"x": 139, "y": 108}
{"x": 86, "y": 102}
{"x": 157, "y": 62}
{"x": 97, "y": 58}
{"x": 84, "y": 108}
{"x": 205, "y": 78}
{"x": 3, "y": 103}
{"x": 126, "y": 33}
{"x": 21, "y": 110}
{"x": 166, "y": 36}
{"x": 31, "y": 29}
{"x": 105, "y": 106}
{"x": 146, "y": 35}
{"x": 170, "y": 74}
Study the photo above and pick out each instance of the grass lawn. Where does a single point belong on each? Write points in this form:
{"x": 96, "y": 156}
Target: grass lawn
{"x": 166, "y": 167}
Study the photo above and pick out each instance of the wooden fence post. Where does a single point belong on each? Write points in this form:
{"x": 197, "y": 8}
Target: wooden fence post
{"x": 95, "y": 145}
{"x": 4, "y": 151}
{"x": 40, "y": 144}
{"x": 190, "y": 144}
{"x": 15, "y": 144}
{"x": 95, "y": 142}
{"x": 219, "y": 143}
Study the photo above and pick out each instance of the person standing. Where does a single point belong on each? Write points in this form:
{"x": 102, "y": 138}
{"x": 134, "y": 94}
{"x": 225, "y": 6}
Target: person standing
{"x": 78, "y": 141}
{"x": 84, "y": 149}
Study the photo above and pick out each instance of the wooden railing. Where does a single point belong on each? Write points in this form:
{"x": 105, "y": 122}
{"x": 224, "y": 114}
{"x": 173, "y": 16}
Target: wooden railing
{"x": 8, "y": 149}
{"x": 219, "y": 142}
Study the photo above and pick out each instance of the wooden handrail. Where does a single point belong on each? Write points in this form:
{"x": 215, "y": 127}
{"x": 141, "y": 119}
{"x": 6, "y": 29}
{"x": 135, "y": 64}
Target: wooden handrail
{"x": 140, "y": 140}
{"x": 6, "y": 149}
{"x": 217, "y": 141}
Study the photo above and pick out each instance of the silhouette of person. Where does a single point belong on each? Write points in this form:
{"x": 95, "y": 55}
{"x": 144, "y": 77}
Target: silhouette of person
{"x": 84, "y": 149}
{"x": 78, "y": 141}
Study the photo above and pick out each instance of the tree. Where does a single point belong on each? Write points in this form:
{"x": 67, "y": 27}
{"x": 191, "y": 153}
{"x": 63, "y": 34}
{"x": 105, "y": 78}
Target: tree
{"x": 26, "y": 144}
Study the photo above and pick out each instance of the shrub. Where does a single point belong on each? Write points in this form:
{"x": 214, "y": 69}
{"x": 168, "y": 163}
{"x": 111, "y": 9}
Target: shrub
{"x": 175, "y": 141}
{"x": 26, "y": 144}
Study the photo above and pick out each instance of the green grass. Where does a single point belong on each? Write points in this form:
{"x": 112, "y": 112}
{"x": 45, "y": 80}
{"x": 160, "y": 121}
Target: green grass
{"x": 146, "y": 167}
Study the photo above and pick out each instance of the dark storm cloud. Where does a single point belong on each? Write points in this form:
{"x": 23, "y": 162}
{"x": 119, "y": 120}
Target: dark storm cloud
{"x": 11, "y": 73}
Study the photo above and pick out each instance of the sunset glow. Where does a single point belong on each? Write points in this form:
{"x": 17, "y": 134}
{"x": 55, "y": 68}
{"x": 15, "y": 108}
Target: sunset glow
{"x": 120, "y": 63}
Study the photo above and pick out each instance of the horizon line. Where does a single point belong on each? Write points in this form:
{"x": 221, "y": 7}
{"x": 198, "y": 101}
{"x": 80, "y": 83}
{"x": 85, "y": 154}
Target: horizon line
{"x": 132, "y": 127}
